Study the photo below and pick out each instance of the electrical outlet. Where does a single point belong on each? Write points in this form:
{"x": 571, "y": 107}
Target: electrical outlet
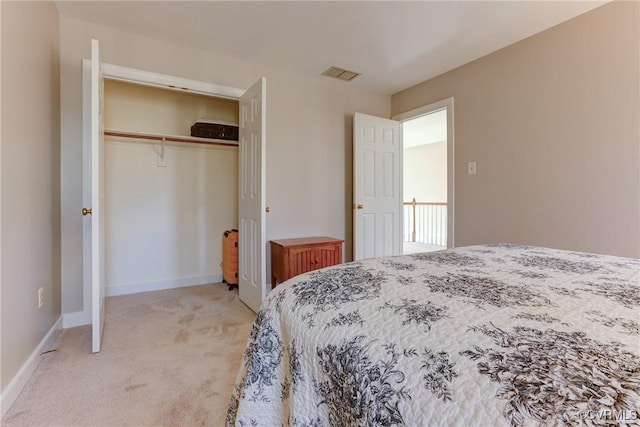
{"x": 471, "y": 168}
{"x": 40, "y": 297}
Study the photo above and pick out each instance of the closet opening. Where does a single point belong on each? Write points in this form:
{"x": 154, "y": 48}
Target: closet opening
{"x": 169, "y": 197}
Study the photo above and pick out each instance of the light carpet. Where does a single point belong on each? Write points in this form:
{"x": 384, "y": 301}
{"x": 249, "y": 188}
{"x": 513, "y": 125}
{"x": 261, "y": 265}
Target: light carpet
{"x": 169, "y": 358}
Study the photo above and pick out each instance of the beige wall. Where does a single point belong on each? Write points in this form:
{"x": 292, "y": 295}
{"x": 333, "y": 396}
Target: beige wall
{"x": 553, "y": 124}
{"x": 424, "y": 172}
{"x": 308, "y": 136}
{"x": 30, "y": 180}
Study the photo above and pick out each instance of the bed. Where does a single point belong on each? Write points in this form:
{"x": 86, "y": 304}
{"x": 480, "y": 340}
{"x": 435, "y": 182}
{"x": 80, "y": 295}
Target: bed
{"x": 485, "y": 335}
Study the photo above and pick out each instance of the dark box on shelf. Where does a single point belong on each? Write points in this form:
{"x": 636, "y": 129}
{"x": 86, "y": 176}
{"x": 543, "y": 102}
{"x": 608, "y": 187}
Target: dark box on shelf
{"x": 215, "y": 131}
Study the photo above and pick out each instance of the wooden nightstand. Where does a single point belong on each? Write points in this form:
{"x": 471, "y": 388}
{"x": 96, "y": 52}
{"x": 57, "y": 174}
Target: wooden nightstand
{"x": 290, "y": 257}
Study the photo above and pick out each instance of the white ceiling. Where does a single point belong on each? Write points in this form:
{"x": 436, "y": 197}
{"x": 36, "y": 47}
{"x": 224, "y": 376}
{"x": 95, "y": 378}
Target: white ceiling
{"x": 425, "y": 129}
{"x": 394, "y": 44}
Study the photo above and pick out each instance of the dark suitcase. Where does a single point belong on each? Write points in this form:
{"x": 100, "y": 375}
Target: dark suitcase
{"x": 215, "y": 131}
{"x": 230, "y": 258}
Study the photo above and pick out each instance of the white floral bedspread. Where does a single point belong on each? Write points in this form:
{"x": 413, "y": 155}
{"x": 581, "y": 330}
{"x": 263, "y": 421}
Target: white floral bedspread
{"x": 476, "y": 336}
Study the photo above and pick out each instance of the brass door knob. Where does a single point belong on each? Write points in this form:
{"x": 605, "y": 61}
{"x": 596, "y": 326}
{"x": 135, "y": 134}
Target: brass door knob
{"x": 86, "y": 211}
{"x": 267, "y": 210}
{"x": 359, "y": 206}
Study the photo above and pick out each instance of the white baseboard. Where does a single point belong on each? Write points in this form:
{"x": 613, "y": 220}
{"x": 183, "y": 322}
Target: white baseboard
{"x": 78, "y": 318}
{"x": 134, "y": 288}
{"x": 13, "y": 390}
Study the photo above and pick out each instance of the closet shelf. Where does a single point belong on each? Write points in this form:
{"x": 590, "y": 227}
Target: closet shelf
{"x": 170, "y": 138}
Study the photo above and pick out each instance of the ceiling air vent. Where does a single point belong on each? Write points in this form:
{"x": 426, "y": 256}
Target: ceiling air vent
{"x": 340, "y": 73}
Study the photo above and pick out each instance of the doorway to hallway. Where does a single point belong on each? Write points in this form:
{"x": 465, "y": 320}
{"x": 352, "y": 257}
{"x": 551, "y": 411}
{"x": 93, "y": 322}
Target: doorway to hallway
{"x": 425, "y": 189}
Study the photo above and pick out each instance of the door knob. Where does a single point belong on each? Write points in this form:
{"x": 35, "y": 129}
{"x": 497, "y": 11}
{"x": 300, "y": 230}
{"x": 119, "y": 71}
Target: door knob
{"x": 267, "y": 210}
{"x": 86, "y": 211}
{"x": 359, "y": 206}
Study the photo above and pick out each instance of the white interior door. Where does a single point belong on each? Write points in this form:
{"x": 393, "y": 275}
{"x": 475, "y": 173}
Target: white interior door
{"x": 252, "y": 197}
{"x": 97, "y": 200}
{"x": 377, "y": 187}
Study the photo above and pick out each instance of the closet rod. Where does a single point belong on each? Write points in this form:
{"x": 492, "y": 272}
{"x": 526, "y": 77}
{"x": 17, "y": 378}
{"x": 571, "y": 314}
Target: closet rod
{"x": 170, "y": 138}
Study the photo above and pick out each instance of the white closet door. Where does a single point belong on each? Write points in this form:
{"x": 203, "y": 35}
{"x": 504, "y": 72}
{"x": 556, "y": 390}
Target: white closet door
{"x": 97, "y": 200}
{"x": 377, "y": 187}
{"x": 252, "y": 197}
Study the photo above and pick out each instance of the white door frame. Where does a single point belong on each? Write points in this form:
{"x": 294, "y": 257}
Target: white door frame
{"x": 148, "y": 78}
{"x": 423, "y": 111}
